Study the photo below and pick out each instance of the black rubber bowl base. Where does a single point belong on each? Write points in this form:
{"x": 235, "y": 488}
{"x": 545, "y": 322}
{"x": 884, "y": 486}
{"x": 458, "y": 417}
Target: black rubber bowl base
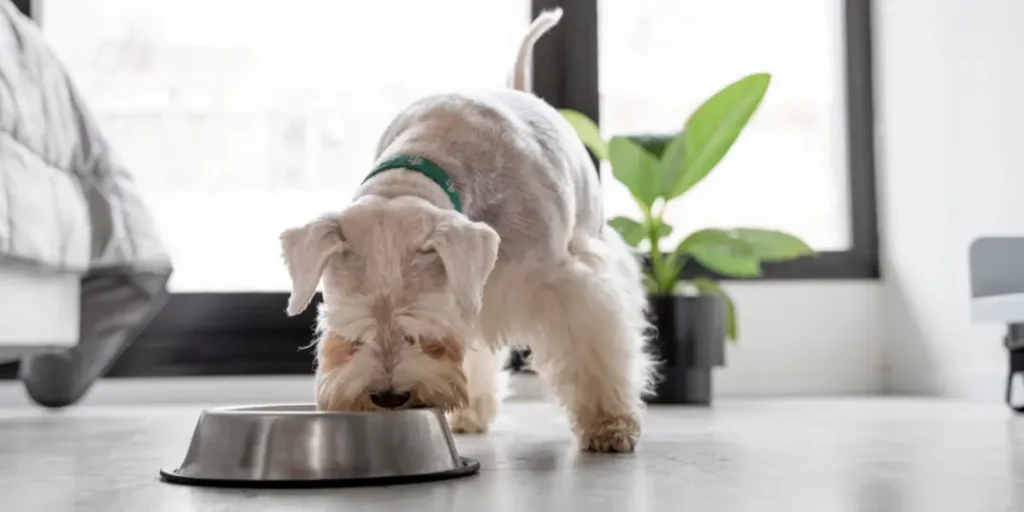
{"x": 469, "y": 467}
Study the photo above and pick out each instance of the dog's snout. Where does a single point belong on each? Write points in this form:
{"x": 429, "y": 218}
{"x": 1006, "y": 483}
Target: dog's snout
{"x": 390, "y": 399}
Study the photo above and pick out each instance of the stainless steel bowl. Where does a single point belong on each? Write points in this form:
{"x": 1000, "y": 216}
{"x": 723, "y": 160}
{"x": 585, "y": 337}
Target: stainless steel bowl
{"x": 297, "y": 446}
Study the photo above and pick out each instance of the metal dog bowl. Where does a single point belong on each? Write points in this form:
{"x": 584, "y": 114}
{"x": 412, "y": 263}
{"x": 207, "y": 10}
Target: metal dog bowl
{"x": 297, "y": 446}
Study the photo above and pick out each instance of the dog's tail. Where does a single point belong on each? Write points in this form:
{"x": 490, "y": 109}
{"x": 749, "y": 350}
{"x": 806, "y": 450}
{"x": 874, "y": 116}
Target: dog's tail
{"x": 520, "y": 79}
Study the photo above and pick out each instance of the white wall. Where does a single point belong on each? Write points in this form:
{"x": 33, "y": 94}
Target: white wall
{"x": 804, "y": 337}
{"x": 949, "y": 75}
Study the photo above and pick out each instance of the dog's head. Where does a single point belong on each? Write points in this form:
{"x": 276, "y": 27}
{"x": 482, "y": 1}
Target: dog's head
{"x": 402, "y": 284}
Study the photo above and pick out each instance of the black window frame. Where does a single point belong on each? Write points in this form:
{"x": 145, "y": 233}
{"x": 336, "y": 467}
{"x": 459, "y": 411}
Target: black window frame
{"x": 249, "y": 334}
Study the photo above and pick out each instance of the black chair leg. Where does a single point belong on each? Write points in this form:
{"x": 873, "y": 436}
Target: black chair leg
{"x": 1014, "y": 342}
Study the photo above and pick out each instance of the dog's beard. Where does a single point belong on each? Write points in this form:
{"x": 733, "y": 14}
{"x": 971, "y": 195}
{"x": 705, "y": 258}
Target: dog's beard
{"x": 448, "y": 393}
{"x": 446, "y": 390}
{"x": 429, "y": 369}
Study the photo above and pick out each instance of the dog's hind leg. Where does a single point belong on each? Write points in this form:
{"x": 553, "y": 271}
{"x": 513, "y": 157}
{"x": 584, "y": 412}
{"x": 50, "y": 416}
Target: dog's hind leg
{"x": 485, "y": 382}
{"x": 591, "y": 345}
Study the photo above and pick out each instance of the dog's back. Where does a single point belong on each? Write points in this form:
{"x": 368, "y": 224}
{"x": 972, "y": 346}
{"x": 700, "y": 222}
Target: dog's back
{"x": 518, "y": 164}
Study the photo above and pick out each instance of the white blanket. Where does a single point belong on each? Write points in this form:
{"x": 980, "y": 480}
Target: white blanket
{"x": 69, "y": 207}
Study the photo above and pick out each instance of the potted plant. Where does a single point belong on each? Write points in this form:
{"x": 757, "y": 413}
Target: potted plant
{"x": 692, "y": 318}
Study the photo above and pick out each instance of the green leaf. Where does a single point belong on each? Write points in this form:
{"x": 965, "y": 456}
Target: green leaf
{"x": 654, "y": 144}
{"x": 709, "y": 287}
{"x": 635, "y": 168}
{"x": 714, "y": 126}
{"x": 668, "y": 275}
{"x": 650, "y": 285}
{"x": 632, "y": 231}
{"x": 671, "y": 165}
{"x": 721, "y": 253}
{"x": 664, "y": 230}
{"x": 588, "y": 131}
{"x": 771, "y": 245}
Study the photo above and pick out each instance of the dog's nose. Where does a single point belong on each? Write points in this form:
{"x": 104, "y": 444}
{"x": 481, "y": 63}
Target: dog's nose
{"x": 389, "y": 399}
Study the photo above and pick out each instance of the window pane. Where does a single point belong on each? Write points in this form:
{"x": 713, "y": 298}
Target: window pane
{"x": 241, "y": 118}
{"x": 659, "y": 59}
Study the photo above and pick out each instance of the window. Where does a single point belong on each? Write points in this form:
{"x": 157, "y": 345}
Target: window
{"x": 242, "y": 117}
{"x": 658, "y": 59}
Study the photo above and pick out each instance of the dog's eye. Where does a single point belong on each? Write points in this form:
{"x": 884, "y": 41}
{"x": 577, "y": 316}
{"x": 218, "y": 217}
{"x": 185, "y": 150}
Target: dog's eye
{"x": 357, "y": 343}
{"x": 409, "y": 340}
{"x": 428, "y": 249}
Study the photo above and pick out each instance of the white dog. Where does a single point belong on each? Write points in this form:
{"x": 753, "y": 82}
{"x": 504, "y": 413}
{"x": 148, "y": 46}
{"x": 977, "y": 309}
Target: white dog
{"x": 481, "y": 223}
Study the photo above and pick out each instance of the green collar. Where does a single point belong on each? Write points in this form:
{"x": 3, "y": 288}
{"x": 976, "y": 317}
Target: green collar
{"x": 424, "y": 167}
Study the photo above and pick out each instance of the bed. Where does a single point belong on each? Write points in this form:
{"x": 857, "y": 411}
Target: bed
{"x": 82, "y": 268}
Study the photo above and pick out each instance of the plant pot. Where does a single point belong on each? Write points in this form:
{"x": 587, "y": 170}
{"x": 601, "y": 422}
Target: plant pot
{"x": 689, "y": 342}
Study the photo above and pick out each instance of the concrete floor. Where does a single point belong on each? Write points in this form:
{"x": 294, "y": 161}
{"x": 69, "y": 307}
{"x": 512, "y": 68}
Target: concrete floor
{"x": 767, "y": 455}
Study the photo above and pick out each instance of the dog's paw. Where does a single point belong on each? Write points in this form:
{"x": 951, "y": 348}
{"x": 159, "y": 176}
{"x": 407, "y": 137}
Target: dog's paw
{"x": 610, "y": 435}
{"x": 466, "y": 421}
{"x": 476, "y": 418}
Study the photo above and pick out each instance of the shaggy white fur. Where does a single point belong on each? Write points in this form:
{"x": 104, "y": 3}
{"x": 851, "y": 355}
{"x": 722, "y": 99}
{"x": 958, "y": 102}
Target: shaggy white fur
{"x": 419, "y": 298}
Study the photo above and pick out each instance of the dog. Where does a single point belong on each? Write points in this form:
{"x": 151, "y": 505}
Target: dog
{"x": 481, "y": 222}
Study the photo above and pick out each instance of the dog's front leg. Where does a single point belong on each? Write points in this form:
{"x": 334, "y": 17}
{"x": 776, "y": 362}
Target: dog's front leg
{"x": 591, "y": 352}
{"x": 482, "y": 366}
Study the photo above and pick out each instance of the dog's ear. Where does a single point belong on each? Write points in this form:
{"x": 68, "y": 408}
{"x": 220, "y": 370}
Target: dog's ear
{"x": 468, "y": 251}
{"x": 306, "y": 250}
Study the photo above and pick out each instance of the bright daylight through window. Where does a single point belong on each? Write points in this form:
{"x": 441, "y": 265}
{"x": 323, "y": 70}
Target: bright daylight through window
{"x": 240, "y": 118}
{"x": 658, "y": 59}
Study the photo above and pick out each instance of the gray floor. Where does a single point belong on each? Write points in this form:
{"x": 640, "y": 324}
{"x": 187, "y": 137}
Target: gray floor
{"x": 778, "y": 455}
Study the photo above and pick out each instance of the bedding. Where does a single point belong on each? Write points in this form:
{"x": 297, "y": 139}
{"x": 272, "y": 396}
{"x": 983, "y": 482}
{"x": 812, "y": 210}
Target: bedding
{"x": 68, "y": 205}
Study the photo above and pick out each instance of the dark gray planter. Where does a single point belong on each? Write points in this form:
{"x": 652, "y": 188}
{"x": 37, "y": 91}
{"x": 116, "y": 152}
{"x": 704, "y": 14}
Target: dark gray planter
{"x": 689, "y": 342}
